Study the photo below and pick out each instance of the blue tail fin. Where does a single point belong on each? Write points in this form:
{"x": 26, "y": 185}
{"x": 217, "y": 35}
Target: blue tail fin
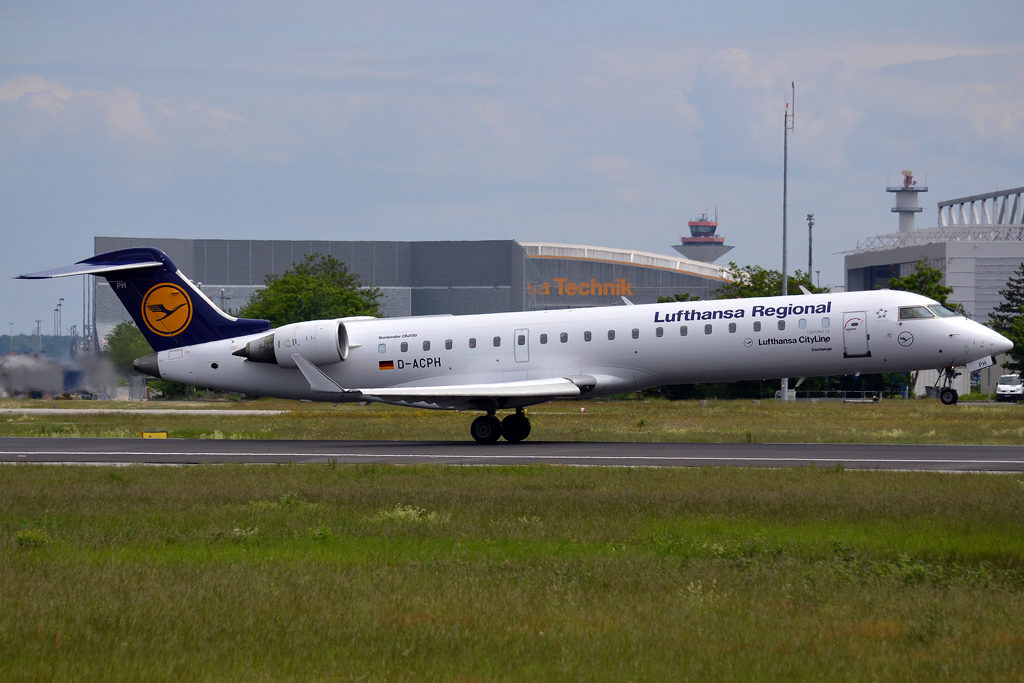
{"x": 169, "y": 310}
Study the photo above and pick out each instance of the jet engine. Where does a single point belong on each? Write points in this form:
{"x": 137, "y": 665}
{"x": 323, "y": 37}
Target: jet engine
{"x": 321, "y": 342}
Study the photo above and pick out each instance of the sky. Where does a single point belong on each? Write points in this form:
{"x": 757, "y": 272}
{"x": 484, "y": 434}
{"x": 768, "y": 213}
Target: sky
{"x": 604, "y": 123}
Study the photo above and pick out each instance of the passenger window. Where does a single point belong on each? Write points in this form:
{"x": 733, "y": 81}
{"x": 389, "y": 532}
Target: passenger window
{"x": 782, "y": 324}
{"x": 543, "y": 339}
{"x": 802, "y": 324}
{"x": 732, "y": 328}
{"x": 521, "y": 340}
{"x": 659, "y": 332}
{"x": 611, "y": 335}
{"x": 682, "y": 330}
{"x": 707, "y": 329}
{"x": 382, "y": 348}
{"x": 426, "y": 346}
{"x": 912, "y": 312}
{"x": 636, "y": 333}
{"x": 564, "y": 337}
{"x": 405, "y": 347}
{"x": 825, "y": 322}
{"x": 757, "y": 326}
{"x": 472, "y": 342}
{"x": 497, "y": 341}
{"x": 448, "y": 344}
{"x": 586, "y": 336}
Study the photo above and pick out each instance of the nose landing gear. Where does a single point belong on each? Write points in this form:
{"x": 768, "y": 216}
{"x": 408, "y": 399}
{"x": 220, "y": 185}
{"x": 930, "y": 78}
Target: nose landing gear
{"x": 947, "y": 394}
{"x": 488, "y": 429}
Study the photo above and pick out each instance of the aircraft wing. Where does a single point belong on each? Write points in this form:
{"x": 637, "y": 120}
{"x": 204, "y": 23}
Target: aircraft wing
{"x": 555, "y": 387}
{"x": 558, "y": 387}
{"x": 454, "y": 394}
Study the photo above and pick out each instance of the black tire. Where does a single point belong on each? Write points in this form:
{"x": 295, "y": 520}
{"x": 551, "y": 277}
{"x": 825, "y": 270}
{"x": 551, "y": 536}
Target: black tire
{"x": 948, "y": 397}
{"x": 515, "y": 428}
{"x": 485, "y": 429}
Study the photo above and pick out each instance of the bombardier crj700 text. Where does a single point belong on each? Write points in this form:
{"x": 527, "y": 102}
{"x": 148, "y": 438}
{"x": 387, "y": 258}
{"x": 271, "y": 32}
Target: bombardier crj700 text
{"x": 507, "y": 361}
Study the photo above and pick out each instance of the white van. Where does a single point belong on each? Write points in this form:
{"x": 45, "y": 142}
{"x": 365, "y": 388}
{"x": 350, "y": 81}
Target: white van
{"x": 1009, "y": 388}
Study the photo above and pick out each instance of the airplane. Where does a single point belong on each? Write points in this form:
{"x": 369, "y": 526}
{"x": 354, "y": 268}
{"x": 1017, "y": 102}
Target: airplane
{"x": 509, "y": 361}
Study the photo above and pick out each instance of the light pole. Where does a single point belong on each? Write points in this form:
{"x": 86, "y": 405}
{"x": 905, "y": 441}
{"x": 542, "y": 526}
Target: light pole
{"x": 60, "y": 321}
{"x": 810, "y": 244}
{"x": 787, "y": 125}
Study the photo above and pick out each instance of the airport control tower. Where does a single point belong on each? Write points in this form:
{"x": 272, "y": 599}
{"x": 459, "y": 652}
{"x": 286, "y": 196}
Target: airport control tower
{"x": 702, "y": 244}
{"x": 906, "y": 200}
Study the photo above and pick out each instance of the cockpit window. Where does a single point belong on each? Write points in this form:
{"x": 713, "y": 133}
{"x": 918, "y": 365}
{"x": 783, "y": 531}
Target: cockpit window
{"x": 942, "y": 311}
{"x": 912, "y": 312}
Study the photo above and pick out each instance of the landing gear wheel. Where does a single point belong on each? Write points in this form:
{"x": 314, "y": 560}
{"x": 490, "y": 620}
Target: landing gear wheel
{"x": 485, "y": 429}
{"x": 948, "y": 396}
{"x": 515, "y": 427}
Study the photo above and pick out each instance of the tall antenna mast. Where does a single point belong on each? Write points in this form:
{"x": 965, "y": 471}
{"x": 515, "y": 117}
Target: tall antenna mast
{"x": 786, "y": 127}
{"x": 810, "y": 245}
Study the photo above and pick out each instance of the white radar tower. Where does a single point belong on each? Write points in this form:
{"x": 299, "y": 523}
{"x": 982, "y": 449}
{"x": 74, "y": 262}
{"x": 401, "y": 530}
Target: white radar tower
{"x": 906, "y": 200}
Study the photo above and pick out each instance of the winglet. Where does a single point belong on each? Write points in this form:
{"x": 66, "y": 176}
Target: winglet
{"x": 803, "y": 289}
{"x": 627, "y": 301}
{"x": 318, "y": 381}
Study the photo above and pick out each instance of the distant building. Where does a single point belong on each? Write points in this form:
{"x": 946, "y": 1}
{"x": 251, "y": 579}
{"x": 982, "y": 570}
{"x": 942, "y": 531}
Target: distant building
{"x": 430, "y": 278}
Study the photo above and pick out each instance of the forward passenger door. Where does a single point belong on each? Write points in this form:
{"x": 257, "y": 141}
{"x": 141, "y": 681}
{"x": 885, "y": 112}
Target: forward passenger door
{"x": 855, "y": 335}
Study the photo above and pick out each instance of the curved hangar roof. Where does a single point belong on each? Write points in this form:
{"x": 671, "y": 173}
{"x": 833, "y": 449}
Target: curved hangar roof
{"x": 645, "y": 259}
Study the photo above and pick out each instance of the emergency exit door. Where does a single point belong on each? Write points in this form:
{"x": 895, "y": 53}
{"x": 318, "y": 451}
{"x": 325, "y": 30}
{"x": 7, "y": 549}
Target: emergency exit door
{"x": 521, "y": 341}
{"x": 855, "y": 335}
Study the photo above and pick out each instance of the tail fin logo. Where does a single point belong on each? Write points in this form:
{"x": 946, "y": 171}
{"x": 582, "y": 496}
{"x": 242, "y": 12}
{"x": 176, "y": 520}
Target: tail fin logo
{"x": 166, "y": 309}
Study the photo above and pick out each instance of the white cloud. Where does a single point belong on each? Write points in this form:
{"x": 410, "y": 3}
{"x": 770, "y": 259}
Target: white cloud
{"x": 34, "y": 105}
{"x": 493, "y": 115}
{"x": 37, "y": 95}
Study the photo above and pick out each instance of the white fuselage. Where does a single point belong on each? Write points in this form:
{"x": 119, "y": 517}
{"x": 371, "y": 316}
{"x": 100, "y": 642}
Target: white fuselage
{"x": 625, "y": 348}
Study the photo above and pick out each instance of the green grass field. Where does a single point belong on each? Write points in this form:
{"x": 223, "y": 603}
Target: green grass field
{"x": 891, "y": 421}
{"x": 379, "y": 573}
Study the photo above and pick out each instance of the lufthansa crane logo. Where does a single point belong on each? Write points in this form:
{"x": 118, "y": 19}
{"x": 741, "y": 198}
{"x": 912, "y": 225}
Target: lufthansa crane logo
{"x": 166, "y": 309}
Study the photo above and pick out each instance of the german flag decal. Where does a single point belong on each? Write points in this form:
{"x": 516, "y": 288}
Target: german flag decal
{"x": 387, "y": 365}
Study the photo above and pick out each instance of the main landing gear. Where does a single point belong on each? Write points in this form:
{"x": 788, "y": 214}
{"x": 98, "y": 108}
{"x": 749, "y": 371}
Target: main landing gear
{"x": 488, "y": 428}
{"x": 947, "y": 394}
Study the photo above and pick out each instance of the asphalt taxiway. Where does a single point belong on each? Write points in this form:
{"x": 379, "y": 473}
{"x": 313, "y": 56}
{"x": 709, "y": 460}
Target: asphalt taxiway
{"x": 198, "y": 451}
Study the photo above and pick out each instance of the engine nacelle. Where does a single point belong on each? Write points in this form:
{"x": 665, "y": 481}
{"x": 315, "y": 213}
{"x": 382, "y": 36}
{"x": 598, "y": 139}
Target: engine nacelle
{"x": 321, "y": 342}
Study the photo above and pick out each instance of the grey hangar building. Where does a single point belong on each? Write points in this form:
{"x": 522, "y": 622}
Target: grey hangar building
{"x": 428, "y": 277}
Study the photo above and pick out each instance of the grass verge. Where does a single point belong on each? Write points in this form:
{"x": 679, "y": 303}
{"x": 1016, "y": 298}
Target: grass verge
{"x": 891, "y": 421}
{"x": 369, "y": 572}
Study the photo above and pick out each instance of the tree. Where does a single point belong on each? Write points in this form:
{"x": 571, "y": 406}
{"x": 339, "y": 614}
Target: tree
{"x": 1008, "y": 319}
{"x": 319, "y": 288}
{"x": 685, "y": 296}
{"x": 125, "y": 343}
{"x": 751, "y": 281}
{"x": 926, "y": 281}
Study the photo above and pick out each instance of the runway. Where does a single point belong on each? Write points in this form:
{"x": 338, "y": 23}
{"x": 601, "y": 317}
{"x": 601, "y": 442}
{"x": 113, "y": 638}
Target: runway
{"x": 198, "y": 451}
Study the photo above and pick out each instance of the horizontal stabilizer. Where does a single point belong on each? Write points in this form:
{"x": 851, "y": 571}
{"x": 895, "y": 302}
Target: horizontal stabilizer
{"x": 83, "y": 268}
